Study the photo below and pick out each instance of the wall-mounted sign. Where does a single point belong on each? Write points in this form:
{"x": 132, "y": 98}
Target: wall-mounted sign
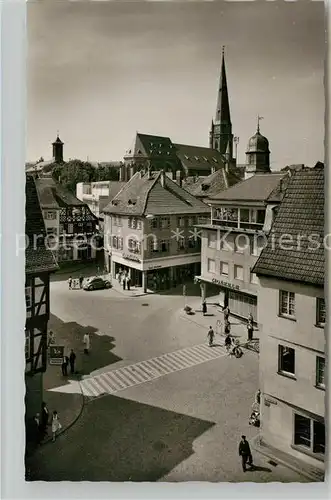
{"x": 226, "y": 284}
{"x": 56, "y": 354}
{"x": 130, "y": 257}
{"x": 150, "y": 268}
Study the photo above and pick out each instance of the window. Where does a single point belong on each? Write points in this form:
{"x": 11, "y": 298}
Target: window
{"x": 70, "y": 228}
{"x": 211, "y": 266}
{"x": 164, "y": 246}
{"x": 286, "y": 303}
{"x": 286, "y": 359}
{"x": 211, "y": 240}
{"x": 118, "y": 242}
{"x": 28, "y": 298}
{"x": 139, "y": 225}
{"x": 132, "y": 222}
{"x": 240, "y": 243}
{"x": 50, "y": 215}
{"x": 165, "y": 222}
{"x": 256, "y": 246}
{"x": 180, "y": 221}
{"x": 224, "y": 268}
{"x": 191, "y": 221}
{"x": 134, "y": 245}
{"x": 239, "y": 272}
{"x": 192, "y": 242}
{"x": 181, "y": 244}
{"x": 320, "y": 311}
{"x": 61, "y": 229}
{"x": 244, "y": 215}
{"x": 203, "y": 220}
{"x": 153, "y": 246}
{"x": 320, "y": 372}
{"x": 309, "y": 433}
{"x": 154, "y": 223}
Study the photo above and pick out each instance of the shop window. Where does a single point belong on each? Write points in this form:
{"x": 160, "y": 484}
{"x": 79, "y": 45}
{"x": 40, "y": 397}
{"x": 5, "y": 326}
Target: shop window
{"x": 309, "y": 434}
{"x": 239, "y": 273}
{"x": 224, "y": 268}
{"x": 286, "y": 303}
{"x": 211, "y": 240}
{"x": 320, "y": 372}
{"x": 320, "y": 311}
{"x": 286, "y": 360}
{"x": 211, "y": 266}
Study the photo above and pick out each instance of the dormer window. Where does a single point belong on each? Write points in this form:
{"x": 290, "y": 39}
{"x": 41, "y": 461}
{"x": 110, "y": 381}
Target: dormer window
{"x": 114, "y": 202}
{"x": 139, "y": 152}
{"x": 204, "y": 187}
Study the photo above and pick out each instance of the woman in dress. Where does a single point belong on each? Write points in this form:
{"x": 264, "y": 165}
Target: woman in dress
{"x": 56, "y": 426}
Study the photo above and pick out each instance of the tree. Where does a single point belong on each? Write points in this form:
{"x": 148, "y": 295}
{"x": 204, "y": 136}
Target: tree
{"x": 74, "y": 171}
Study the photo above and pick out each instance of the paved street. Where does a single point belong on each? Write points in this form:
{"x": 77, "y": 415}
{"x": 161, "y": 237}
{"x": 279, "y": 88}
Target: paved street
{"x": 160, "y": 404}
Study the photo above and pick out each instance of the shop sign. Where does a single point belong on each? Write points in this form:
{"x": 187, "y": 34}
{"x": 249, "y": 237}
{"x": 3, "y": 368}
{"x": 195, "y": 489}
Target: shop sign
{"x": 226, "y": 284}
{"x": 130, "y": 257}
{"x": 154, "y": 267}
{"x": 56, "y": 354}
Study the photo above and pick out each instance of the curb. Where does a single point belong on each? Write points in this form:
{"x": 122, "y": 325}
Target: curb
{"x": 64, "y": 429}
{"x": 263, "y": 450}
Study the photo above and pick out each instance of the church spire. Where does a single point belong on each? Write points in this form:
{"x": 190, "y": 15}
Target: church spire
{"x": 221, "y": 135}
{"x": 223, "y": 106}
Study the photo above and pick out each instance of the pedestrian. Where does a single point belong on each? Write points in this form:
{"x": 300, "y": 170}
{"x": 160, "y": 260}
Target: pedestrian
{"x": 98, "y": 270}
{"x": 64, "y": 366}
{"x": 56, "y": 425}
{"x": 226, "y": 313}
{"x": 81, "y": 280}
{"x": 120, "y": 275}
{"x": 128, "y": 282}
{"x": 70, "y": 282}
{"x": 258, "y": 397}
{"x": 44, "y": 418}
{"x": 86, "y": 341}
{"x": 124, "y": 282}
{"x": 228, "y": 342}
{"x": 250, "y": 318}
{"x": 227, "y": 328}
{"x": 72, "y": 359}
{"x": 210, "y": 336}
{"x": 204, "y": 308}
{"x": 245, "y": 453}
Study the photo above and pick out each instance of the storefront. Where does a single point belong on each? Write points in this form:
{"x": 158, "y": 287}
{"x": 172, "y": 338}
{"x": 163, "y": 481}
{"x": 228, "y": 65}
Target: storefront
{"x": 162, "y": 278}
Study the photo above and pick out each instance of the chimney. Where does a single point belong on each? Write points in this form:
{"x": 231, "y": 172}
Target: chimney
{"x": 162, "y": 178}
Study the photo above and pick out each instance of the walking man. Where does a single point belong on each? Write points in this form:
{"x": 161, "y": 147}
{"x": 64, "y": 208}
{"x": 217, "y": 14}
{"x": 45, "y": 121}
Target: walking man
{"x": 86, "y": 341}
{"x": 72, "y": 359}
{"x": 70, "y": 282}
{"x": 226, "y": 314}
{"x": 245, "y": 453}
{"x": 128, "y": 282}
{"x": 81, "y": 280}
{"x": 250, "y": 327}
{"x": 210, "y": 336}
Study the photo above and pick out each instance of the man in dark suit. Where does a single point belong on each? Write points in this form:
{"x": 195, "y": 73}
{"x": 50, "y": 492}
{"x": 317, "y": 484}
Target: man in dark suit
{"x": 245, "y": 453}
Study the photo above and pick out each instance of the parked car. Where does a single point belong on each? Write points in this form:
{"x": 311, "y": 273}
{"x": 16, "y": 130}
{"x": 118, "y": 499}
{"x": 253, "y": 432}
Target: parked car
{"x": 96, "y": 283}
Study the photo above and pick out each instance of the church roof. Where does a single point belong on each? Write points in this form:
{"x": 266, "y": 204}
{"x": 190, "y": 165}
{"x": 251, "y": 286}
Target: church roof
{"x": 199, "y": 157}
{"x": 300, "y": 215}
{"x": 147, "y": 194}
{"x": 38, "y": 258}
{"x": 223, "y": 106}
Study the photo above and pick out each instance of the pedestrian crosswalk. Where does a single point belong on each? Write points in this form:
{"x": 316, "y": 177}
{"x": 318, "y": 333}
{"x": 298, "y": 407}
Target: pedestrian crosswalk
{"x": 151, "y": 369}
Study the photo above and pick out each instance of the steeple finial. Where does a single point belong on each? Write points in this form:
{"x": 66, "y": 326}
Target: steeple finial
{"x": 57, "y": 133}
{"x": 223, "y": 49}
{"x": 259, "y": 118}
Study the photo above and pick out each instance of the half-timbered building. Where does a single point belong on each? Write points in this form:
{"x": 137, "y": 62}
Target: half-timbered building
{"x": 71, "y": 227}
{"x": 39, "y": 263}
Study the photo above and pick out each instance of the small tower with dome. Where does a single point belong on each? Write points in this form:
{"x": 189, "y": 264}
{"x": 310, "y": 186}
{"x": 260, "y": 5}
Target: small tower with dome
{"x": 257, "y": 154}
{"x": 58, "y": 150}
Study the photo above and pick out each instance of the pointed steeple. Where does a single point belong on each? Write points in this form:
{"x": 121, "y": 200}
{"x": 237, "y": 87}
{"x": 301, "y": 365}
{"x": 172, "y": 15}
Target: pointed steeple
{"x": 223, "y": 106}
{"x": 220, "y": 136}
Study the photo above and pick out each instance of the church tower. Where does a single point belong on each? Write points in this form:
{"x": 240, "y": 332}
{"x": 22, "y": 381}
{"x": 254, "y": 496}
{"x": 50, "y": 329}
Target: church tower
{"x": 257, "y": 154}
{"x": 220, "y": 136}
{"x": 58, "y": 150}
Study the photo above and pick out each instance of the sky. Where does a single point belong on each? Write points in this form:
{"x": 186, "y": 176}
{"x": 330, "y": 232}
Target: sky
{"x": 98, "y": 72}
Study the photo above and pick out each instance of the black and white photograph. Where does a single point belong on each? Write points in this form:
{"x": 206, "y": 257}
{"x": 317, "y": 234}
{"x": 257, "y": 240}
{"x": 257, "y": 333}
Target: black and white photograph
{"x": 175, "y": 242}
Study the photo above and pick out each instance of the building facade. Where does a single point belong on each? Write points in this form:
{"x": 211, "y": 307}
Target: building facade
{"x": 39, "y": 263}
{"x": 292, "y": 314}
{"x": 241, "y": 218}
{"x": 96, "y": 195}
{"x": 71, "y": 226}
{"x": 150, "y": 232}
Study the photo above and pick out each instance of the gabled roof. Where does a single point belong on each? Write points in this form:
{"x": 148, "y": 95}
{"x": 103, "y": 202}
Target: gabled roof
{"x": 256, "y": 188}
{"x": 53, "y": 195}
{"x": 301, "y": 214}
{"x": 37, "y": 257}
{"x": 144, "y": 194}
{"x": 213, "y": 184}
